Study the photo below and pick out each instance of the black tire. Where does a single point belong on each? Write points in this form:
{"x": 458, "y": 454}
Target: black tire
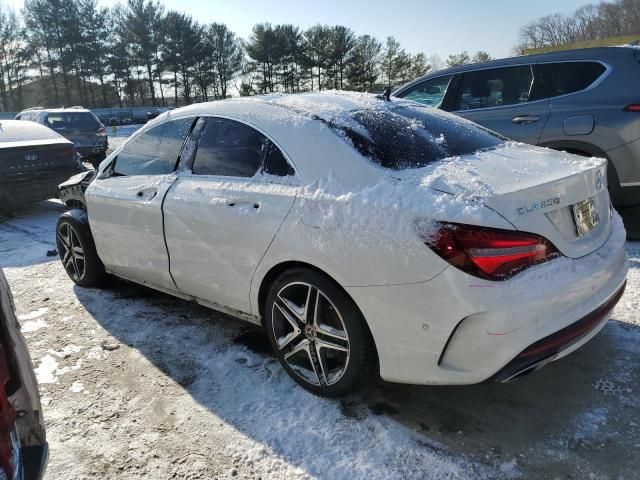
{"x": 333, "y": 306}
{"x": 82, "y": 264}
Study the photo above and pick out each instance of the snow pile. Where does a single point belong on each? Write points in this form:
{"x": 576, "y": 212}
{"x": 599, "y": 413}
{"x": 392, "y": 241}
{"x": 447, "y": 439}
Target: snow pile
{"x": 46, "y": 370}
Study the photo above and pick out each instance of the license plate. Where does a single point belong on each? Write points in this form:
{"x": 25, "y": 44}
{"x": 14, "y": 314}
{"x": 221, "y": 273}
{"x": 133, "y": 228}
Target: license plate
{"x": 586, "y": 216}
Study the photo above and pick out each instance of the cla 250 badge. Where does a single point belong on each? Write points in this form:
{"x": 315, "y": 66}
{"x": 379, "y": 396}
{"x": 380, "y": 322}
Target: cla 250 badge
{"x": 538, "y": 205}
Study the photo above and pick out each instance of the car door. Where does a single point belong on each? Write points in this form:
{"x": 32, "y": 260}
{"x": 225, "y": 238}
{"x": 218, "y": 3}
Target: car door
{"x": 125, "y": 207}
{"x": 224, "y": 210}
{"x": 507, "y": 100}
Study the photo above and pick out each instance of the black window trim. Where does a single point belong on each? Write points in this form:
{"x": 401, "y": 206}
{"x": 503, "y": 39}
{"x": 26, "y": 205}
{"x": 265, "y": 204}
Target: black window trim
{"x": 188, "y": 166}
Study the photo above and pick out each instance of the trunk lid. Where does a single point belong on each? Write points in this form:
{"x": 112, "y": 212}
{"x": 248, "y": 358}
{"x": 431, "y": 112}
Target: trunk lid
{"x": 538, "y": 190}
{"x": 37, "y": 158}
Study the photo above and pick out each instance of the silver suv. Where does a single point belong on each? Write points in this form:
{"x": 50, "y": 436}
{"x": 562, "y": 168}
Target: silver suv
{"x": 76, "y": 124}
{"x": 582, "y": 101}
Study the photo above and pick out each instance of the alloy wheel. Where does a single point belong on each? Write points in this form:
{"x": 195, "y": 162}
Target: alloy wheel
{"x": 71, "y": 252}
{"x": 310, "y": 334}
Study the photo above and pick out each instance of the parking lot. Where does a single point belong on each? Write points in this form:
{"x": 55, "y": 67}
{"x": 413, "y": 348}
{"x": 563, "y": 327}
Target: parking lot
{"x": 138, "y": 384}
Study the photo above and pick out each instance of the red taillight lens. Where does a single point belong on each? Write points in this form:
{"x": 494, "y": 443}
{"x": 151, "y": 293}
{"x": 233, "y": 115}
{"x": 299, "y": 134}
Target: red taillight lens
{"x": 634, "y": 107}
{"x": 67, "y": 153}
{"x": 489, "y": 253}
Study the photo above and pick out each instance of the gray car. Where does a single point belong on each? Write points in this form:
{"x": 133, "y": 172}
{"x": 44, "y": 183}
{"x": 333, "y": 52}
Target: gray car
{"x": 582, "y": 101}
{"x": 77, "y": 124}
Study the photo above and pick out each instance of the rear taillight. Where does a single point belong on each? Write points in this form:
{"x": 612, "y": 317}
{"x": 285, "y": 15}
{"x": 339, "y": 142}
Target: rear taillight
{"x": 489, "y": 253}
{"x": 67, "y": 153}
{"x": 634, "y": 107}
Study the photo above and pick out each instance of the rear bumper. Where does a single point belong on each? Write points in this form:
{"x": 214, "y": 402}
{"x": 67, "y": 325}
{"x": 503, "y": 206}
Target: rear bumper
{"x": 457, "y": 329}
{"x": 561, "y": 343}
{"x": 32, "y": 187}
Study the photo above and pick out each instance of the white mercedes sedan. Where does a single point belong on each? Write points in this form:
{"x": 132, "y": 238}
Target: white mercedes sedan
{"x": 366, "y": 236}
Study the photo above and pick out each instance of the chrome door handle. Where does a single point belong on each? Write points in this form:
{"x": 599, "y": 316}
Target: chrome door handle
{"x": 523, "y": 119}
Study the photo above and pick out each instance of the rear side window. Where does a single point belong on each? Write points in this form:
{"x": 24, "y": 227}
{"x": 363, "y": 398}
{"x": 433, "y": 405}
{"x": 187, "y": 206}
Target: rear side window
{"x": 412, "y": 137}
{"x": 430, "y": 92}
{"x": 495, "y": 87}
{"x": 569, "y": 77}
{"x": 275, "y": 163}
{"x": 154, "y": 152}
{"x": 229, "y": 148}
{"x": 72, "y": 120}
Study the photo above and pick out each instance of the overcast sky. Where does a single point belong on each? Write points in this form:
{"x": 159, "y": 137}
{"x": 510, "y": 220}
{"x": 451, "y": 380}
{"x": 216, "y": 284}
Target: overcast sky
{"x": 441, "y": 27}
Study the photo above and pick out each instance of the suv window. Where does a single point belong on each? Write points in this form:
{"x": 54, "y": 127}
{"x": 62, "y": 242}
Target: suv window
{"x": 229, "y": 148}
{"x": 569, "y": 77}
{"x": 72, "y": 120}
{"x": 495, "y": 87}
{"x": 430, "y": 92}
{"x": 412, "y": 137}
{"x": 154, "y": 152}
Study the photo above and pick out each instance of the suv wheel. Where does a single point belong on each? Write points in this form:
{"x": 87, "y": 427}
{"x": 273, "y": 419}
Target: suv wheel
{"x": 77, "y": 249}
{"x": 318, "y": 333}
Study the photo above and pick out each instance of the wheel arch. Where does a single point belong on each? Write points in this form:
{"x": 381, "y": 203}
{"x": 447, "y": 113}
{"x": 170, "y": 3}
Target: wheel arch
{"x": 276, "y": 270}
{"x": 588, "y": 149}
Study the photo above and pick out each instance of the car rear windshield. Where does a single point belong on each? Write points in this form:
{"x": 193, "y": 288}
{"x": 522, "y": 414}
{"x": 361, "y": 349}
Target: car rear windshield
{"x": 412, "y": 137}
{"x": 73, "y": 120}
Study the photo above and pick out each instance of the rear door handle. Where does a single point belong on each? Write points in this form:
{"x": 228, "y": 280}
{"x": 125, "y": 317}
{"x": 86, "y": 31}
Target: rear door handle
{"x": 524, "y": 119}
{"x": 243, "y": 203}
{"x": 147, "y": 195}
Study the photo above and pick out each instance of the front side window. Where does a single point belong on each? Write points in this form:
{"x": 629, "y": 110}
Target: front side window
{"x": 430, "y": 92}
{"x": 154, "y": 152}
{"x": 495, "y": 88}
{"x": 569, "y": 77}
{"x": 232, "y": 149}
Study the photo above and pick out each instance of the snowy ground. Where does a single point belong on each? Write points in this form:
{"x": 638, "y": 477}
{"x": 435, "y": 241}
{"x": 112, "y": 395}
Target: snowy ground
{"x": 137, "y": 384}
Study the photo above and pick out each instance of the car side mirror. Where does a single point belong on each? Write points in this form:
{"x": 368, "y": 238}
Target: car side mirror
{"x": 108, "y": 170}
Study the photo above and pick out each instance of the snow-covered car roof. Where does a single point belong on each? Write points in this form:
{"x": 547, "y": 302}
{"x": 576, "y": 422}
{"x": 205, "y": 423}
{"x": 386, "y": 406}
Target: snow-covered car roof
{"x": 332, "y": 130}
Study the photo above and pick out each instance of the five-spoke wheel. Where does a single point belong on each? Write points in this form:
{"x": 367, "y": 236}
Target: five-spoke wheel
{"x": 77, "y": 250}
{"x": 71, "y": 252}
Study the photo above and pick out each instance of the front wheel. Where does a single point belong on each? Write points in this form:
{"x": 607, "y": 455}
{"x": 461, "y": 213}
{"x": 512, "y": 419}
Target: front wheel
{"x": 77, "y": 249}
{"x": 318, "y": 333}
